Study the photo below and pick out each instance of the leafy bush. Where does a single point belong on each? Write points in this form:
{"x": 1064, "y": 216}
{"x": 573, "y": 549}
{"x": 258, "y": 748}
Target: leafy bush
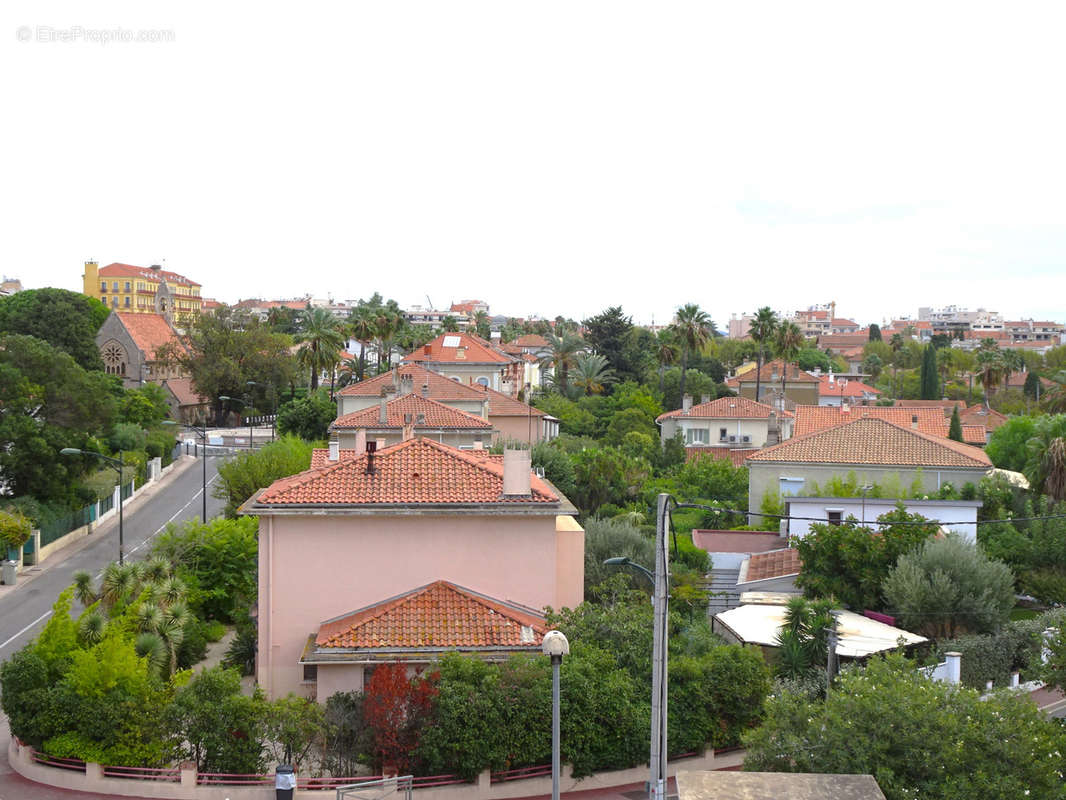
{"x": 126, "y": 436}
{"x": 247, "y": 473}
{"x": 950, "y": 585}
{"x": 214, "y": 630}
{"x": 918, "y": 738}
{"x": 1047, "y": 585}
{"x": 217, "y": 559}
{"x": 308, "y": 418}
{"x": 612, "y": 538}
{"x": 14, "y": 529}
{"x": 347, "y": 741}
{"x": 557, "y": 466}
{"x": 242, "y": 652}
{"x": 849, "y": 562}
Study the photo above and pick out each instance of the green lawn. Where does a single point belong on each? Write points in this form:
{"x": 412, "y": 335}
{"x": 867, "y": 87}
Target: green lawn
{"x": 1023, "y": 613}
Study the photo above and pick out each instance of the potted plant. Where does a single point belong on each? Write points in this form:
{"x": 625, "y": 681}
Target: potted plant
{"x": 14, "y": 532}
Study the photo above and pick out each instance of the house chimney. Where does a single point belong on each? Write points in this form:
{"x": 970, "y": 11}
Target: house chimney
{"x": 914, "y": 421}
{"x": 425, "y": 389}
{"x": 478, "y": 445}
{"x": 369, "y": 462}
{"x": 516, "y": 473}
{"x": 705, "y": 398}
{"x": 427, "y": 350}
{"x": 407, "y": 385}
{"x": 845, "y": 407}
{"x": 773, "y": 430}
{"x": 334, "y": 450}
{"x": 360, "y": 442}
{"x": 383, "y": 410}
{"x": 408, "y": 427}
{"x": 420, "y": 419}
{"x": 156, "y": 268}
{"x": 686, "y": 403}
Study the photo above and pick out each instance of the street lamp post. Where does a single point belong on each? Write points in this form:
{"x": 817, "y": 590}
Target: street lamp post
{"x": 202, "y": 433}
{"x": 556, "y": 646}
{"x": 660, "y": 582}
{"x": 118, "y": 464}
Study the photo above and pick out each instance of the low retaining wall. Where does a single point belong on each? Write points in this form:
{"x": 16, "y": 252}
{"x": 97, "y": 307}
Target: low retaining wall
{"x": 185, "y": 787}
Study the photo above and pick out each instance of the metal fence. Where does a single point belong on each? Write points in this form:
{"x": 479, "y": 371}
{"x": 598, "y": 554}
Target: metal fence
{"x": 127, "y": 491}
{"x": 378, "y": 789}
{"x": 60, "y": 527}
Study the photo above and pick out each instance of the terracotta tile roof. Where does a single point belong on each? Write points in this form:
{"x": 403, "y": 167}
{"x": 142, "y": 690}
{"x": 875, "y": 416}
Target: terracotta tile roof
{"x": 874, "y": 441}
{"x": 148, "y": 331}
{"x": 838, "y": 322}
{"x": 439, "y": 615}
{"x": 467, "y": 306}
{"x": 474, "y": 349}
{"x": 775, "y": 564}
{"x": 416, "y": 472}
{"x": 183, "y": 392}
{"x": 845, "y": 387}
{"x": 118, "y": 270}
{"x": 320, "y": 456}
{"x": 1017, "y": 379}
{"x": 771, "y": 373}
{"x": 437, "y": 415}
{"x": 818, "y": 418}
{"x": 530, "y": 340}
{"x": 975, "y": 435}
{"x": 987, "y": 418}
{"x": 842, "y": 340}
{"x": 736, "y": 456}
{"x": 502, "y": 405}
{"x": 944, "y": 404}
{"x": 852, "y": 353}
{"x": 440, "y": 388}
{"x": 725, "y": 408}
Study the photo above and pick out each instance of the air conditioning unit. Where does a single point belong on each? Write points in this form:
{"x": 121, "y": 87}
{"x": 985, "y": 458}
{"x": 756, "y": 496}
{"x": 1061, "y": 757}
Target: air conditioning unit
{"x": 733, "y": 438}
{"x": 746, "y": 439}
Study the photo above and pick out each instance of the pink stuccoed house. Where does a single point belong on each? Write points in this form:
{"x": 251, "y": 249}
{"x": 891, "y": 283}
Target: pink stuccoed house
{"x": 341, "y": 543}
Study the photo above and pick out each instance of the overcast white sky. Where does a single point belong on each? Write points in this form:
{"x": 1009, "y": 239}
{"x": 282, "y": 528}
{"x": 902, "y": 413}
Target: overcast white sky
{"x": 550, "y": 157}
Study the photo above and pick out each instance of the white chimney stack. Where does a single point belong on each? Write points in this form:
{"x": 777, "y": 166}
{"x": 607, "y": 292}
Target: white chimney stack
{"x": 516, "y": 473}
{"x": 686, "y": 403}
{"x": 360, "y": 442}
{"x": 334, "y": 450}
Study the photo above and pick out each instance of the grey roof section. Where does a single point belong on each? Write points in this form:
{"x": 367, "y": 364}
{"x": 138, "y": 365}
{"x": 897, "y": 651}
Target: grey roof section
{"x": 725, "y": 785}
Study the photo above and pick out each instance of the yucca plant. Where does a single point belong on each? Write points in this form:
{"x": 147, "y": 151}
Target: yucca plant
{"x": 91, "y": 628}
{"x": 84, "y": 592}
{"x": 148, "y": 617}
{"x": 154, "y": 648}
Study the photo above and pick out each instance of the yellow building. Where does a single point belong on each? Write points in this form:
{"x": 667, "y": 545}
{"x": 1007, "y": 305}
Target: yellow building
{"x": 147, "y": 290}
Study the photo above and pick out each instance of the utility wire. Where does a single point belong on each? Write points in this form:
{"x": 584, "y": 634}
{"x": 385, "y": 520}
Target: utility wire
{"x": 720, "y": 510}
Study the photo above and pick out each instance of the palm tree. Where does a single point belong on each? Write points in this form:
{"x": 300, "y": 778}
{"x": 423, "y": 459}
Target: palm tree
{"x": 762, "y": 330}
{"x": 787, "y": 341}
{"x": 321, "y": 341}
{"x": 990, "y": 364}
{"x": 591, "y": 373}
{"x": 564, "y": 351}
{"x": 666, "y": 353}
{"x": 1046, "y": 465}
{"x": 482, "y": 324}
{"x": 694, "y": 328}
{"x": 361, "y": 326}
{"x": 1013, "y": 361}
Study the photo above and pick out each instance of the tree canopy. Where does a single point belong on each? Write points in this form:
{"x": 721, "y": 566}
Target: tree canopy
{"x": 66, "y": 320}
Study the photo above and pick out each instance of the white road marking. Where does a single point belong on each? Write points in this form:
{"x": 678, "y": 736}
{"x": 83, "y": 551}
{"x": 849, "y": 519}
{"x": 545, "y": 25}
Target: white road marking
{"x": 47, "y": 614}
{"x": 43, "y": 616}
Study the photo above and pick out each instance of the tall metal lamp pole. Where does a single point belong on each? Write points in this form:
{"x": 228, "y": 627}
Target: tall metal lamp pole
{"x": 118, "y": 464}
{"x": 556, "y": 646}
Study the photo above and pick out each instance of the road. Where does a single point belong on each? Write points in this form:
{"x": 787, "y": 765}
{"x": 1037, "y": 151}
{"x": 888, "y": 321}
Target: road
{"x": 25, "y": 609}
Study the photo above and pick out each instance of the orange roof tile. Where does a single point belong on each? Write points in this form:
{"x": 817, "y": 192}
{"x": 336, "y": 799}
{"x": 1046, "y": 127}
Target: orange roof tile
{"x": 184, "y": 392}
{"x": 844, "y": 387}
{"x": 736, "y": 456}
{"x": 726, "y": 408}
{"x": 502, "y": 405}
{"x": 474, "y": 350}
{"x": 817, "y": 418}
{"x": 438, "y": 615}
{"x": 118, "y": 270}
{"x": 437, "y": 415}
{"x": 774, "y": 564}
{"x": 869, "y": 440}
{"x": 987, "y": 418}
{"x": 530, "y": 340}
{"x": 416, "y": 472}
{"x": 148, "y": 331}
{"x": 771, "y": 373}
{"x": 975, "y": 435}
{"x": 440, "y": 388}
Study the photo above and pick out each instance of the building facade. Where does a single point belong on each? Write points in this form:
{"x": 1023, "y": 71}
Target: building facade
{"x": 143, "y": 290}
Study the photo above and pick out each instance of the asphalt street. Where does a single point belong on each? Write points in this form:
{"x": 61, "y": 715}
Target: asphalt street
{"x": 25, "y": 609}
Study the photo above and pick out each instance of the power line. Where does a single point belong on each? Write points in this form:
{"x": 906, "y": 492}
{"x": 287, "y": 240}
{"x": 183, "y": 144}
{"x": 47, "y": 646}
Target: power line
{"x": 720, "y": 510}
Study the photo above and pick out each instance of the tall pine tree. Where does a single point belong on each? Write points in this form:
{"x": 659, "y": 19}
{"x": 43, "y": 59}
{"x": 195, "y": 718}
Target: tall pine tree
{"x": 930, "y": 383}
